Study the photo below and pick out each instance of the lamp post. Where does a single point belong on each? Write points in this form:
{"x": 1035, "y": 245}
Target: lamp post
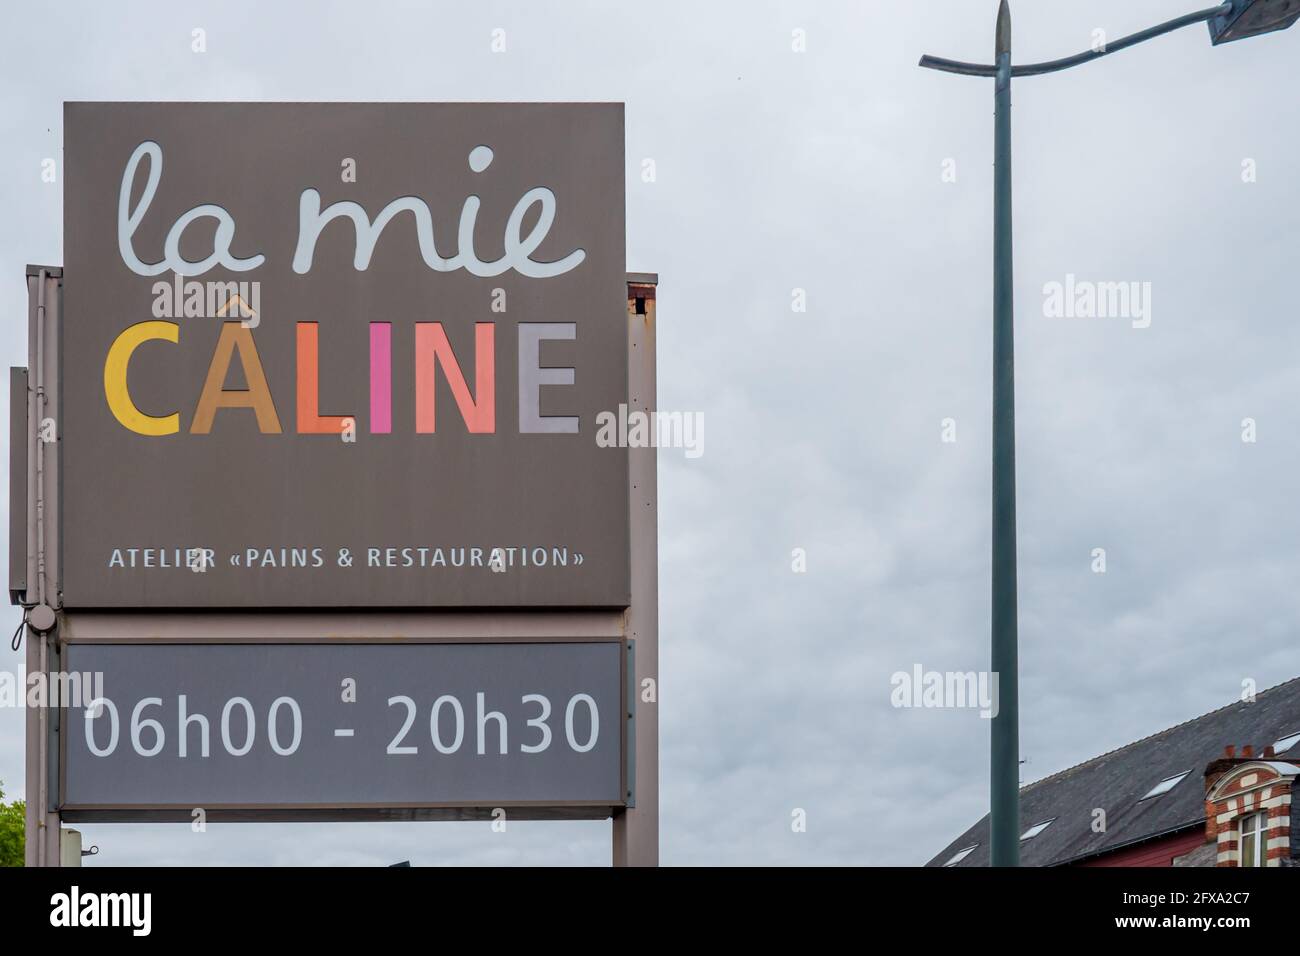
{"x": 1234, "y": 20}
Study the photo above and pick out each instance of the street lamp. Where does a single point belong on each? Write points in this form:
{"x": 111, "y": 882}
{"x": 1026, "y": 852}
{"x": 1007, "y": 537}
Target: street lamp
{"x": 1250, "y": 18}
{"x": 1234, "y": 20}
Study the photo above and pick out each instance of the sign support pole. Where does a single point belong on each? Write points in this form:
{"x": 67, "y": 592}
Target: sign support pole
{"x": 44, "y": 288}
{"x": 636, "y": 830}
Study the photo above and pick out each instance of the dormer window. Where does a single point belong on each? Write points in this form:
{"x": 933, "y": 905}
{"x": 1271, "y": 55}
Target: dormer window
{"x": 961, "y": 855}
{"x": 1165, "y": 785}
{"x": 1283, "y": 744}
{"x": 1036, "y": 829}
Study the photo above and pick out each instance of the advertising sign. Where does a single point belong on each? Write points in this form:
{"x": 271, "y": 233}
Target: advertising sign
{"x": 343, "y": 355}
{"x": 317, "y": 727}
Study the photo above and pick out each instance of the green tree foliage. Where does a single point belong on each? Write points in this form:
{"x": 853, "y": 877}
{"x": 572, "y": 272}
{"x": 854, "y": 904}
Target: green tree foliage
{"x": 12, "y": 831}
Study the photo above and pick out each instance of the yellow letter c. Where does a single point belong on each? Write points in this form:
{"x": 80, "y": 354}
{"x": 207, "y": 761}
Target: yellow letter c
{"x": 115, "y": 390}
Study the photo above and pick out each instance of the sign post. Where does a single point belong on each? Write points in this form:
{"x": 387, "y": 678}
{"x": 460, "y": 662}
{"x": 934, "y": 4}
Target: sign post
{"x": 636, "y": 830}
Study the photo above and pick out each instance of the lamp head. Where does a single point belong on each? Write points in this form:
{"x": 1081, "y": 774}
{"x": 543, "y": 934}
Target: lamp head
{"x": 1249, "y": 18}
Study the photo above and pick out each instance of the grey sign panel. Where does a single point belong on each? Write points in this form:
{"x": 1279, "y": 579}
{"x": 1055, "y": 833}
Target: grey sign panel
{"x": 343, "y": 355}
{"x": 330, "y": 727}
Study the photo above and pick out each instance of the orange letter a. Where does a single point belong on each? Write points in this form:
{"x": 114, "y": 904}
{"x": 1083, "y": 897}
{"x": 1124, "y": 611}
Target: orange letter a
{"x": 235, "y": 335}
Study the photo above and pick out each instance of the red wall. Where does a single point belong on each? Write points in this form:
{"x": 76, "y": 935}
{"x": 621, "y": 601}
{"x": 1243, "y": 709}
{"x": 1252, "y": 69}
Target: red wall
{"x": 1152, "y": 853}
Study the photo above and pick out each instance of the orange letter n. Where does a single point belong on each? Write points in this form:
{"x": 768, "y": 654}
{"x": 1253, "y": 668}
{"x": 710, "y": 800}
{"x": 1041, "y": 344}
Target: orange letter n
{"x": 432, "y": 348}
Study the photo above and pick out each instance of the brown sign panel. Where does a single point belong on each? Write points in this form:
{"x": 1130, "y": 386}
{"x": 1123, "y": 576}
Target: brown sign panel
{"x": 343, "y": 355}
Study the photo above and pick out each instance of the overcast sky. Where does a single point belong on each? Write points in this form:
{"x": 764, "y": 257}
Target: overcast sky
{"x": 824, "y": 171}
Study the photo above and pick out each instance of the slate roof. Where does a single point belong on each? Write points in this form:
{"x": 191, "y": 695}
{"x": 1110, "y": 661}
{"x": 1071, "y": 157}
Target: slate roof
{"x": 1116, "y": 781}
